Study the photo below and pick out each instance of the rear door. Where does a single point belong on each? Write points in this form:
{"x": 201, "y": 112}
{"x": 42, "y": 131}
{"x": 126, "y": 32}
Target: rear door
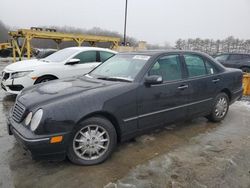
{"x": 162, "y": 103}
{"x": 204, "y": 82}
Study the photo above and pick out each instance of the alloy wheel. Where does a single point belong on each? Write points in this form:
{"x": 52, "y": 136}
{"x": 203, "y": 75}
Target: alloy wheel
{"x": 221, "y": 107}
{"x": 91, "y": 142}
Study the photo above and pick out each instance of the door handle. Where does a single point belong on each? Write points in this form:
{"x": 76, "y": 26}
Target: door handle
{"x": 215, "y": 80}
{"x": 183, "y": 87}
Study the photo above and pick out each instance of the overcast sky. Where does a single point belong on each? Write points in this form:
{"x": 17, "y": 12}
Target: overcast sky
{"x": 155, "y": 21}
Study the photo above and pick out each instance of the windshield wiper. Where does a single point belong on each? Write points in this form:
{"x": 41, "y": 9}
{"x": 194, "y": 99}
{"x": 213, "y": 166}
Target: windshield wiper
{"x": 122, "y": 79}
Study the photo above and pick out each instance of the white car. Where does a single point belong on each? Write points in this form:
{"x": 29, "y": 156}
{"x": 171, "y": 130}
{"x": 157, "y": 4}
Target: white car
{"x": 68, "y": 62}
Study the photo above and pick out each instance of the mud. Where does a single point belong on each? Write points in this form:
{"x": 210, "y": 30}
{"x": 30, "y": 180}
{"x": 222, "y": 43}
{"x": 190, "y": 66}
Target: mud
{"x": 195, "y": 153}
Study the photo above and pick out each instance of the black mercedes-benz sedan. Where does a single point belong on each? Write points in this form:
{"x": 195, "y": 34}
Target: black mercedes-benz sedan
{"x": 85, "y": 117}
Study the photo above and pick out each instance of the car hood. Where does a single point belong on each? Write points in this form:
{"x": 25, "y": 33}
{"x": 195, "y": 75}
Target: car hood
{"x": 25, "y": 65}
{"x": 55, "y": 90}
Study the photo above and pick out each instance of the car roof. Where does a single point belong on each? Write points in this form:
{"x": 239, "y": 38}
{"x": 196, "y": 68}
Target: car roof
{"x": 159, "y": 52}
{"x": 233, "y": 53}
{"x": 83, "y": 48}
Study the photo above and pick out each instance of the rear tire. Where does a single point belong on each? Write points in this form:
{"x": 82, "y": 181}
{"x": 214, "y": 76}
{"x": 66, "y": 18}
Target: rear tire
{"x": 220, "y": 108}
{"x": 44, "y": 79}
{"x": 92, "y": 142}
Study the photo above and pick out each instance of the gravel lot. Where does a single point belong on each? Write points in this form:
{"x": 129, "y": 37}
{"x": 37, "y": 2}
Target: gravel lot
{"x": 193, "y": 154}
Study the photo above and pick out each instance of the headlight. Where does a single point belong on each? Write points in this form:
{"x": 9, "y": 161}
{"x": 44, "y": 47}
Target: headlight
{"x": 36, "y": 119}
{"x": 20, "y": 74}
{"x": 28, "y": 119}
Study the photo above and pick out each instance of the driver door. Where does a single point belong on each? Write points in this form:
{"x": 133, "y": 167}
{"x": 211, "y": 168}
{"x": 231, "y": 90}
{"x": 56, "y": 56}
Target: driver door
{"x": 163, "y": 103}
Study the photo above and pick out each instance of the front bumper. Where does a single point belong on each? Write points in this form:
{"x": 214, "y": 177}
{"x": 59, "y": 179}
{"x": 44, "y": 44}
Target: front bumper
{"x": 39, "y": 145}
{"x": 14, "y": 86}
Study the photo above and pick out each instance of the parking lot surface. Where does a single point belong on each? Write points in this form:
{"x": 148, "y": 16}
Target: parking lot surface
{"x": 194, "y": 153}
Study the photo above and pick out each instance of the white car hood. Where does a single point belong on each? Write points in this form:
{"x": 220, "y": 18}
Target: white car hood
{"x": 25, "y": 65}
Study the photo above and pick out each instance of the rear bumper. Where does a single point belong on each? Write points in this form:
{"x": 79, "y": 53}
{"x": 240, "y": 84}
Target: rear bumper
{"x": 236, "y": 95}
{"x": 38, "y": 146}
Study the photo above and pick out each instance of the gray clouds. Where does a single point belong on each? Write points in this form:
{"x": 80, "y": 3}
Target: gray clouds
{"x": 155, "y": 21}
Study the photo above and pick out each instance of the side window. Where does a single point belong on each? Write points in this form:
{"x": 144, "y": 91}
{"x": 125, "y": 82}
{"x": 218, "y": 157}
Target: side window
{"x": 211, "y": 69}
{"x": 168, "y": 67}
{"x": 195, "y": 65}
{"x": 86, "y": 57}
{"x": 105, "y": 55}
{"x": 235, "y": 57}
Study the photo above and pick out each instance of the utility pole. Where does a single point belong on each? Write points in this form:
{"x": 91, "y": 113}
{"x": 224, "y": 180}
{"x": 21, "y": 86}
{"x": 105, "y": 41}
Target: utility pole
{"x": 125, "y": 23}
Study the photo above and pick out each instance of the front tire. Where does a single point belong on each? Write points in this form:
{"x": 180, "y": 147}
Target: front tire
{"x": 220, "y": 108}
{"x": 92, "y": 142}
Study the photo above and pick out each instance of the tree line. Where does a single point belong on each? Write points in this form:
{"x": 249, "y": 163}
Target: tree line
{"x": 212, "y": 47}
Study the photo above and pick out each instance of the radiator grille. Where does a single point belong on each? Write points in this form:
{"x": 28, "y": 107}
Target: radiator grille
{"x": 18, "y": 112}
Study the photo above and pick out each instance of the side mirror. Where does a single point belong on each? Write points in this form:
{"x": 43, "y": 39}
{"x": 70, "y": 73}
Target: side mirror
{"x": 153, "y": 80}
{"x": 72, "y": 61}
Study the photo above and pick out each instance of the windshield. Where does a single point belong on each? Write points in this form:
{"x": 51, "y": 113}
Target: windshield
{"x": 45, "y": 53}
{"x": 61, "y": 55}
{"x": 122, "y": 66}
{"x": 221, "y": 57}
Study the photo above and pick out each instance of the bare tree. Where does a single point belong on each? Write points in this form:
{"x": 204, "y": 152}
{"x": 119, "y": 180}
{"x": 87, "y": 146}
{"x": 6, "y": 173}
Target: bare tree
{"x": 210, "y": 46}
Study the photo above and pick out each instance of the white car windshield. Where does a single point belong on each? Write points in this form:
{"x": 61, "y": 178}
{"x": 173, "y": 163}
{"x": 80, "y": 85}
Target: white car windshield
{"x": 60, "y": 55}
{"x": 122, "y": 66}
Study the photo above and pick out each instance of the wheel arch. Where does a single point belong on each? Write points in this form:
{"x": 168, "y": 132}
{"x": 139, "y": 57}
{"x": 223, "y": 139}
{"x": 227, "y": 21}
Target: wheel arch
{"x": 51, "y": 75}
{"x": 228, "y": 92}
{"x": 48, "y": 75}
{"x": 109, "y": 117}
